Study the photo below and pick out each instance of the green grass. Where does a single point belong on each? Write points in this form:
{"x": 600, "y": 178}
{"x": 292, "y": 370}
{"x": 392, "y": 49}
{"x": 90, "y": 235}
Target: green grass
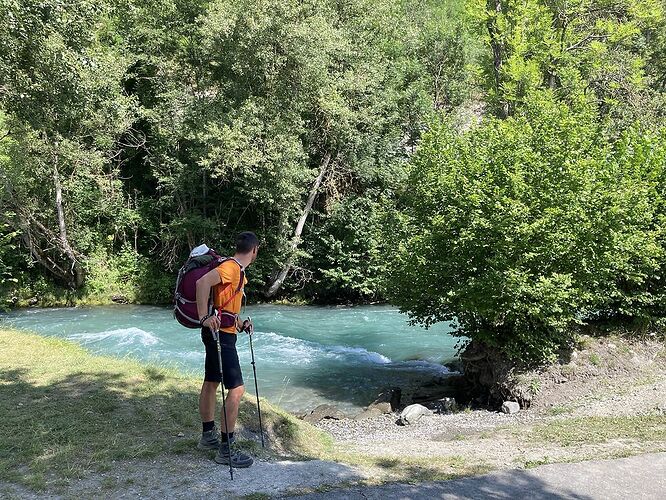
{"x": 531, "y": 464}
{"x": 412, "y": 468}
{"x": 594, "y": 430}
{"x": 560, "y": 410}
{"x": 66, "y": 413}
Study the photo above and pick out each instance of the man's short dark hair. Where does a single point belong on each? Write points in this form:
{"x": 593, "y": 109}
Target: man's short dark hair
{"x": 246, "y": 242}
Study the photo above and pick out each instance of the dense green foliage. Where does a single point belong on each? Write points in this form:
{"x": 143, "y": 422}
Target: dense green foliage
{"x": 165, "y": 124}
{"x": 549, "y": 213}
{"x": 591, "y": 48}
{"x": 528, "y": 225}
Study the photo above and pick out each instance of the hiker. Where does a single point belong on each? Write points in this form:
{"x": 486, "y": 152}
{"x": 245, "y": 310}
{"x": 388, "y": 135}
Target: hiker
{"x": 227, "y": 295}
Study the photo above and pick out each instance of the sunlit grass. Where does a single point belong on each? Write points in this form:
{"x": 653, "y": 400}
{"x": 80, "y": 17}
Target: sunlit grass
{"x": 66, "y": 413}
{"x": 595, "y": 430}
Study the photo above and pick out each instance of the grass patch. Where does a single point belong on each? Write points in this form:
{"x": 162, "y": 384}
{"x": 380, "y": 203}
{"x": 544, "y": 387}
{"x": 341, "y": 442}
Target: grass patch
{"x": 531, "y": 464}
{"x": 414, "y": 469}
{"x": 595, "y": 359}
{"x": 594, "y": 430}
{"x": 85, "y": 411}
{"x": 560, "y": 410}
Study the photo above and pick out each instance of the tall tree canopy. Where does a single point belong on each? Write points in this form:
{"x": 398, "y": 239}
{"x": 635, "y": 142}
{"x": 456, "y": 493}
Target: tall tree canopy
{"x": 135, "y": 130}
{"x": 549, "y": 213}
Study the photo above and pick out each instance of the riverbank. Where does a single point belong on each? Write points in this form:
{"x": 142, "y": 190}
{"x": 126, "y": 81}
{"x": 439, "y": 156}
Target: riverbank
{"x": 607, "y": 401}
{"x": 160, "y": 294}
{"x": 69, "y": 416}
{"x": 99, "y": 424}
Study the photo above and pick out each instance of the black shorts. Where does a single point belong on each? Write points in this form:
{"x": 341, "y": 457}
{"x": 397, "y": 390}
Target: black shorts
{"x": 230, "y": 364}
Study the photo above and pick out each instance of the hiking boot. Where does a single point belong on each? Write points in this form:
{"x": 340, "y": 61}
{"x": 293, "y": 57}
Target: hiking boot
{"x": 210, "y": 440}
{"x": 237, "y": 458}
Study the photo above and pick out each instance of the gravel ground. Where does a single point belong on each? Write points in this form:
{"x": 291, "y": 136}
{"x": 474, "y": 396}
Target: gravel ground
{"x": 624, "y": 379}
{"x": 187, "y": 477}
{"x": 429, "y": 427}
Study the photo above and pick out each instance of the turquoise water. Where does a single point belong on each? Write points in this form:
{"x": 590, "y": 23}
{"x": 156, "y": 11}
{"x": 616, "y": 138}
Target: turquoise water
{"x": 305, "y": 355}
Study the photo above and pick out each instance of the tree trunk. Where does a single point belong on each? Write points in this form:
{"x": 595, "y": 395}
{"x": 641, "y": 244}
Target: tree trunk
{"x": 75, "y": 268}
{"x": 496, "y": 45}
{"x": 299, "y": 227}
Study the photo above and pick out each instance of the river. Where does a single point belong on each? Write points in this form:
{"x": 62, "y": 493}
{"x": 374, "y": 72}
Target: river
{"x": 305, "y": 355}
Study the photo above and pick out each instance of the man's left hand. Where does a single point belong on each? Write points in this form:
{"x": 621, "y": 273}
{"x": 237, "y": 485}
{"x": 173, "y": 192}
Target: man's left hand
{"x": 248, "y": 327}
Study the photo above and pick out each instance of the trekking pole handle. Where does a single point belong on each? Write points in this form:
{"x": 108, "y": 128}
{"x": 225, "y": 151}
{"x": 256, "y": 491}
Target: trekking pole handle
{"x": 248, "y": 327}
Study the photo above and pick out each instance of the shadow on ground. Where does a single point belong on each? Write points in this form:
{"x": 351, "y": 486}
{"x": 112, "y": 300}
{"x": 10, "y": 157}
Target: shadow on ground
{"x": 633, "y": 477}
{"x": 136, "y": 431}
{"x": 511, "y": 484}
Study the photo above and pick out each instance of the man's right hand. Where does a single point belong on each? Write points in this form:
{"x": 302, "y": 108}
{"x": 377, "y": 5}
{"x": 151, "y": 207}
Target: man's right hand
{"x": 212, "y": 322}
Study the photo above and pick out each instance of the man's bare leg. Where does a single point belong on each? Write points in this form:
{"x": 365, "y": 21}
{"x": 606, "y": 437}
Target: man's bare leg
{"x": 207, "y": 399}
{"x": 233, "y": 401}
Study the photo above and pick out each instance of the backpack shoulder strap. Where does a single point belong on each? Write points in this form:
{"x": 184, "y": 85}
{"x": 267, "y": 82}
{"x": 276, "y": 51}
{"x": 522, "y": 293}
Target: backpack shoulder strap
{"x": 241, "y": 281}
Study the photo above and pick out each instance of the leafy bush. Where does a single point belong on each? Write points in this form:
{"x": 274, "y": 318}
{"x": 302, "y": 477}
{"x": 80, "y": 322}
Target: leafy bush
{"x": 521, "y": 228}
{"x": 129, "y": 275}
{"x": 347, "y": 253}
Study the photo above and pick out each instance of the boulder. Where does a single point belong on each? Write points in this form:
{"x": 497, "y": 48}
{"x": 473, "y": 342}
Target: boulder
{"x": 412, "y": 413}
{"x": 510, "y": 407}
{"x": 321, "y": 412}
{"x": 370, "y": 412}
{"x": 443, "y": 405}
{"x": 387, "y": 401}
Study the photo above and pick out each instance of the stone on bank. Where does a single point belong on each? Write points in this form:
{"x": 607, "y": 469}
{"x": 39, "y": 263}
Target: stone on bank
{"x": 510, "y": 407}
{"x": 413, "y": 413}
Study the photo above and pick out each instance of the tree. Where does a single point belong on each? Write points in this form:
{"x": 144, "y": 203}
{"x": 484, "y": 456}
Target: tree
{"x": 581, "y": 49}
{"x": 274, "y": 107}
{"x": 163, "y": 124}
{"x": 524, "y": 227}
{"x": 64, "y": 106}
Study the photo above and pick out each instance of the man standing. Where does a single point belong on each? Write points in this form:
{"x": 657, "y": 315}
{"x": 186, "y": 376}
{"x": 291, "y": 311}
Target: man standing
{"x": 227, "y": 283}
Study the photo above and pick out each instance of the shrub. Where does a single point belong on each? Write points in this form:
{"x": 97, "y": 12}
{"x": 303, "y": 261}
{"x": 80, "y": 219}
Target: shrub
{"x": 346, "y": 252}
{"x": 521, "y": 228}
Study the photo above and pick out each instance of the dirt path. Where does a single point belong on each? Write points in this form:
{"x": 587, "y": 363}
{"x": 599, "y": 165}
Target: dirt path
{"x": 186, "y": 477}
{"x": 635, "y": 477}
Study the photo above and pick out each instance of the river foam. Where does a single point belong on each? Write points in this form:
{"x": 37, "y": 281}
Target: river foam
{"x": 290, "y": 350}
{"x": 121, "y": 336}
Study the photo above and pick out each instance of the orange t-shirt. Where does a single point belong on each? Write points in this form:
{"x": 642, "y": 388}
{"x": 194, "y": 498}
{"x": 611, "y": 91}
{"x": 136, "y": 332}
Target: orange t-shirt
{"x": 230, "y": 274}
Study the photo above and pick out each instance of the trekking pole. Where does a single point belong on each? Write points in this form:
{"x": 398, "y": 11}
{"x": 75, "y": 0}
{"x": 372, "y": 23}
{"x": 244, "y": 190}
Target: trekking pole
{"x": 250, "y": 331}
{"x": 216, "y": 334}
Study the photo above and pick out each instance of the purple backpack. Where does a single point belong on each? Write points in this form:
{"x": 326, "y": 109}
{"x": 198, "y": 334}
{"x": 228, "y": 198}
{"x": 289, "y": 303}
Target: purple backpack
{"x": 201, "y": 261}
